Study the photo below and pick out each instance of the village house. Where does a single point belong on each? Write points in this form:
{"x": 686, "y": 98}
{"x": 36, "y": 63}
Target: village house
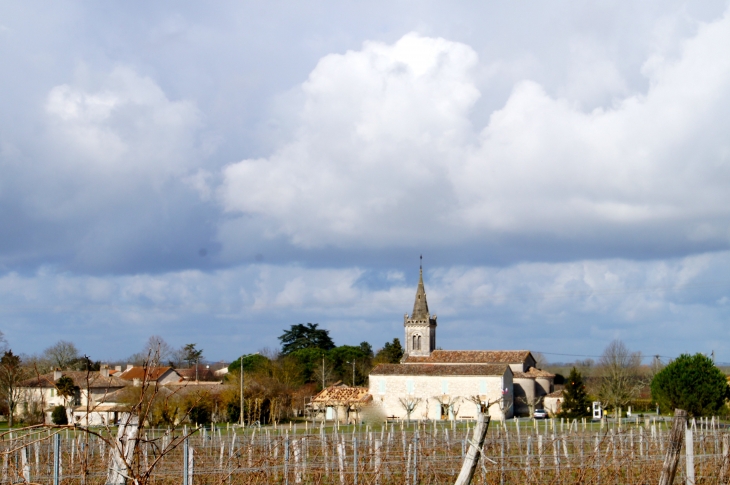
{"x": 93, "y": 402}
{"x": 340, "y": 403}
{"x": 161, "y": 375}
{"x": 454, "y": 384}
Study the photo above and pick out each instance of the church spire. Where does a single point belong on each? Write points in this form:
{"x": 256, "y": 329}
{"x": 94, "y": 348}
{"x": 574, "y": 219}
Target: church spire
{"x": 420, "y": 306}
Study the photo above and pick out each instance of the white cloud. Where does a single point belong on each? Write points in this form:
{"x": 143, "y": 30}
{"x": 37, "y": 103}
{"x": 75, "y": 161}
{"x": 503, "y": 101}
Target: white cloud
{"x": 385, "y": 154}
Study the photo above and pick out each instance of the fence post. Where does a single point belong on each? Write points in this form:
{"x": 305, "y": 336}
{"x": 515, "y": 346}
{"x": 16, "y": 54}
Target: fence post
{"x": 186, "y": 478}
{"x": 354, "y": 457}
{"x": 286, "y": 459}
{"x": 669, "y": 469}
{"x": 472, "y": 456}
{"x": 415, "y": 459}
{"x": 26, "y": 465}
{"x": 689, "y": 451}
{"x": 56, "y": 457}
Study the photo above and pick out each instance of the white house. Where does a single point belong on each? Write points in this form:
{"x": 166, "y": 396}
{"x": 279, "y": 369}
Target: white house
{"x": 93, "y": 401}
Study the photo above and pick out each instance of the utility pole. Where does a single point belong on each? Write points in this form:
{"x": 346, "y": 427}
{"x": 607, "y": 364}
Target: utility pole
{"x": 322, "y": 371}
{"x": 353, "y": 371}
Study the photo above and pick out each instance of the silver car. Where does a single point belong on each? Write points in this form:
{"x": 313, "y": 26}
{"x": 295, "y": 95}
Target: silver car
{"x": 540, "y": 414}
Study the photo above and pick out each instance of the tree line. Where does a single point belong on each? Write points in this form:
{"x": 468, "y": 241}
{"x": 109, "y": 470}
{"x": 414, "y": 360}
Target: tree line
{"x": 690, "y": 382}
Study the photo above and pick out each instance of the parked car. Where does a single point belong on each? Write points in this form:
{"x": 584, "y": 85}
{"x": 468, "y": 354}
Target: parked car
{"x": 540, "y": 414}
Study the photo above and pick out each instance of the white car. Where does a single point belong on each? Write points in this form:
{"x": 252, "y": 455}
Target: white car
{"x": 540, "y": 414}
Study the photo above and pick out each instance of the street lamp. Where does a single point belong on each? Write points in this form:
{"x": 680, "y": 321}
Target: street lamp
{"x": 241, "y": 371}
{"x": 353, "y": 371}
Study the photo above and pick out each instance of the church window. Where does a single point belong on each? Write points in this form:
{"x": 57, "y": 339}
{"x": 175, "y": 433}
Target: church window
{"x": 419, "y": 342}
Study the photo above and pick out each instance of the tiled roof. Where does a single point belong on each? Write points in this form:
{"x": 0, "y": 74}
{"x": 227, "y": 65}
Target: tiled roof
{"x": 532, "y": 373}
{"x": 439, "y": 370}
{"x": 343, "y": 395}
{"x": 138, "y": 372}
{"x": 471, "y": 357}
{"x": 558, "y": 394}
{"x": 96, "y": 381}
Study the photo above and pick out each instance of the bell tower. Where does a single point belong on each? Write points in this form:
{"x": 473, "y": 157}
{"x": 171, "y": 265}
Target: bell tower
{"x": 420, "y": 326}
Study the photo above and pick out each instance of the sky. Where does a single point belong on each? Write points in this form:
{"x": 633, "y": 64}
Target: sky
{"x": 215, "y": 172}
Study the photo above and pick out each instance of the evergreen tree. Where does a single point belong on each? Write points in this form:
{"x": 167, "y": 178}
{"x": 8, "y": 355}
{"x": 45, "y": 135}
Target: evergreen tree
{"x": 575, "y": 398}
{"x": 391, "y": 353}
{"x": 307, "y": 336}
{"x": 692, "y": 383}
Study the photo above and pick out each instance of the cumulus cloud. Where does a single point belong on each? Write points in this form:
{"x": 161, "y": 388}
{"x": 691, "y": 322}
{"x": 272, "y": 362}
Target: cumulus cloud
{"x": 385, "y": 154}
{"x": 115, "y": 173}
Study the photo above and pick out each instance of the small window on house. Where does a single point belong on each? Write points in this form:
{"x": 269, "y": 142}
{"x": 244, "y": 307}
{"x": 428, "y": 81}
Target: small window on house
{"x": 381, "y": 386}
{"x": 409, "y": 386}
{"x": 483, "y": 386}
{"x": 444, "y": 387}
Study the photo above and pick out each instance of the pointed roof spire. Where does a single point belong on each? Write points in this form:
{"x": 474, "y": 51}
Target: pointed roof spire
{"x": 420, "y": 306}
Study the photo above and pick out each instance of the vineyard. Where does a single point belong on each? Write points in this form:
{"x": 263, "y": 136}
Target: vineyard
{"x": 514, "y": 452}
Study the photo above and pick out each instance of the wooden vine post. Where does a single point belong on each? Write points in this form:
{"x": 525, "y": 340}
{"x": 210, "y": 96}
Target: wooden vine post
{"x": 475, "y": 448}
{"x": 671, "y": 460}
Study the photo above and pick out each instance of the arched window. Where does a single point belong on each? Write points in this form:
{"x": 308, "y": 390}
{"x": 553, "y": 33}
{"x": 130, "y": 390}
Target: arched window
{"x": 419, "y": 342}
{"x": 415, "y": 342}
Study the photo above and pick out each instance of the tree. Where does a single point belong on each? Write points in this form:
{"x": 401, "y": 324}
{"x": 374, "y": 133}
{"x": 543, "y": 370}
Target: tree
{"x": 62, "y": 354}
{"x": 59, "y": 416}
{"x": 409, "y": 405}
{"x": 692, "y": 383}
{"x": 66, "y": 388}
{"x": 307, "y": 336}
{"x": 12, "y": 375}
{"x": 391, "y": 353}
{"x": 192, "y": 355}
{"x": 618, "y": 373}
{"x": 251, "y": 363}
{"x": 575, "y": 398}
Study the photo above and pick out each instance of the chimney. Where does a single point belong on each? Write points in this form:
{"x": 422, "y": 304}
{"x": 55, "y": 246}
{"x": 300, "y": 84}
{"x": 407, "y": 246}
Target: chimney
{"x": 104, "y": 371}
{"x": 129, "y": 366}
{"x": 137, "y": 382}
{"x": 57, "y": 374}
{"x": 118, "y": 368}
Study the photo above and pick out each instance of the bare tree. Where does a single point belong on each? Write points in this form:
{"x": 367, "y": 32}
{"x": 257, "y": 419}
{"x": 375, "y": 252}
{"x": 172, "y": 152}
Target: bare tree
{"x": 62, "y": 354}
{"x": 449, "y": 403}
{"x": 540, "y": 360}
{"x": 531, "y": 402}
{"x": 409, "y": 405}
{"x": 619, "y": 375}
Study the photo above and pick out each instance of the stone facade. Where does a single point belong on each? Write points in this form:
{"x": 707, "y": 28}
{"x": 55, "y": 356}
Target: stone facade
{"x": 441, "y": 391}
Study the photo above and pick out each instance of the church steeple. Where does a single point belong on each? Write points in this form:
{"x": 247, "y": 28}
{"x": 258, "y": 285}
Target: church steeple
{"x": 420, "y": 327}
{"x": 420, "y": 306}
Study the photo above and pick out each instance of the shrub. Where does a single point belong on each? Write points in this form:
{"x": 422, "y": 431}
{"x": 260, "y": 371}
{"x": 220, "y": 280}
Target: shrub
{"x": 58, "y": 416}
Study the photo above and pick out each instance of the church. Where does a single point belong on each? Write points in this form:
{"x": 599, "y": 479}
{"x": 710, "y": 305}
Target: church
{"x": 454, "y": 384}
